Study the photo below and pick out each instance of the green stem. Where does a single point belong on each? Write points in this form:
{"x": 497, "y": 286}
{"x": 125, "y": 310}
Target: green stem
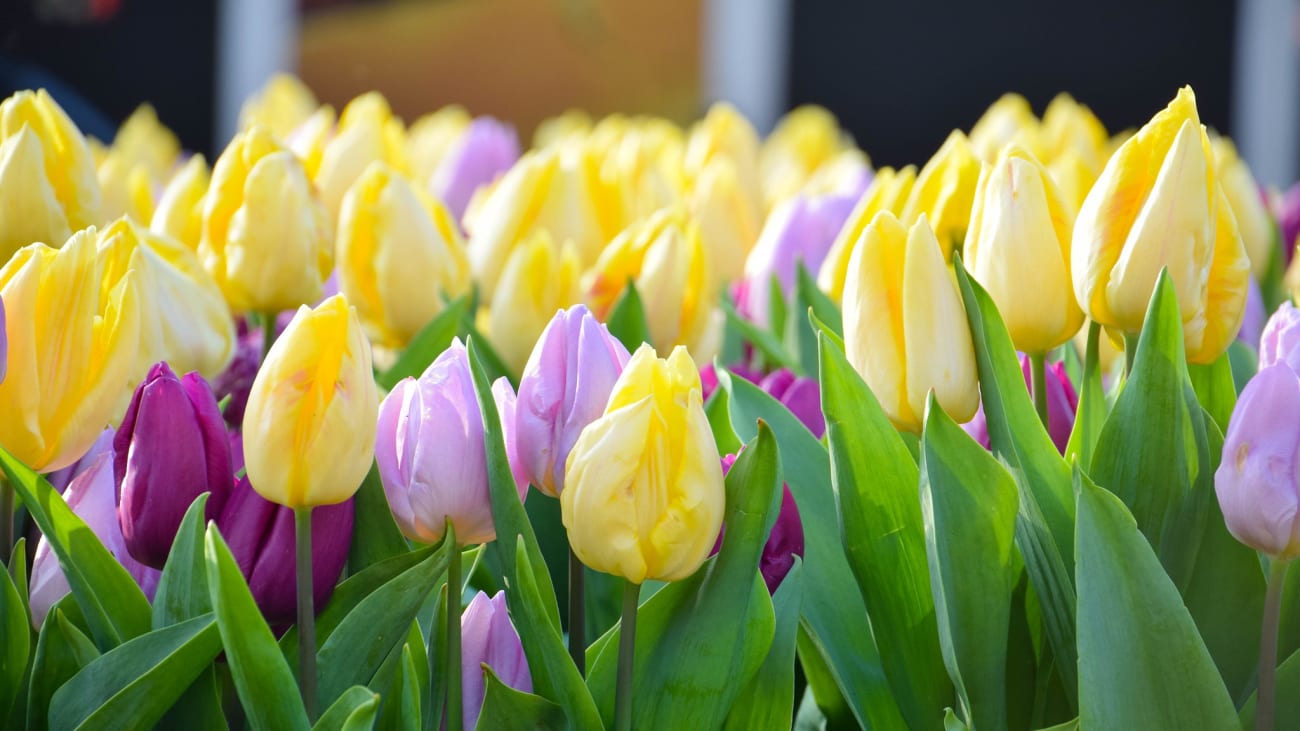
{"x": 268, "y": 332}
{"x": 577, "y": 613}
{"x": 1038, "y": 366}
{"x": 306, "y": 611}
{"x": 1268, "y": 645}
{"x": 6, "y": 520}
{"x": 1130, "y": 353}
{"x": 455, "y": 715}
{"x": 626, "y": 656}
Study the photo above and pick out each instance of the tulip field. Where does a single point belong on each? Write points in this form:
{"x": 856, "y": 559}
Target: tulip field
{"x": 634, "y": 425}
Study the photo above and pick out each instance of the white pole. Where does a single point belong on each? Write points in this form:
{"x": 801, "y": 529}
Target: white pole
{"x": 746, "y": 56}
{"x": 255, "y": 39}
{"x": 1266, "y": 89}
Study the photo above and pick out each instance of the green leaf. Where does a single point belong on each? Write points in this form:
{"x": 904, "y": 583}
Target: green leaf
{"x": 115, "y": 608}
{"x": 627, "y": 320}
{"x": 1142, "y": 664}
{"x": 767, "y": 343}
{"x": 133, "y": 685}
{"x": 1286, "y": 699}
{"x": 719, "y": 413}
{"x": 970, "y": 504}
{"x": 1091, "y": 413}
{"x": 199, "y": 708}
{"x": 1215, "y": 389}
{"x": 183, "y": 588}
{"x": 875, "y": 480}
{"x": 16, "y": 647}
{"x": 426, "y": 346}
{"x": 61, "y": 651}
{"x": 507, "y": 709}
{"x": 824, "y": 309}
{"x": 1244, "y": 363}
{"x": 767, "y": 701}
{"x": 776, "y": 309}
{"x": 265, "y": 684}
{"x": 355, "y": 709}
{"x": 18, "y": 570}
{"x": 375, "y": 535}
{"x": 834, "y": 616}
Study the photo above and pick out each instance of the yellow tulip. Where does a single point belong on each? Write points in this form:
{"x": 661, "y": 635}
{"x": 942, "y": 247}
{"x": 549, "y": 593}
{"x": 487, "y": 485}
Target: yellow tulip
{"x": 728, "y": 223}
{"x": 803, "y": 142}
{"x": 1008, "y": 118}
{"x": 127, "y": 187}
{"x": 308, "y": 139}
{"x": 539, "y": 279}
{"x": 571, "y": 124}
{"x": 1158, "y": 205}
{"x": 48, "y": 186}
{"x": 367, "y": 132}
{"x": 905, "y": 327}
{"x": 72, "y": 348}
{"x": 725, "y": 134}
{"x": 643, "y": 490}
{"x": 888, "y": 191}
{"x": 945, "y": 191}
{"x": 665, "y": 257}
{"x": 399, "y": 254}
{"x": 309, "y": 429}
{"x": 184, "y": 319}
{"x": 1253, "y": 219}
{"x": 1020, "y": 224}
{"x": 1073, "y": 146}
{"x": 644, "y": 158}
{"x": 432, "y": 137}
{"x": 267, "y": 240}
{"x": 179, "y": 213}
{"x": 280, "y": 106}
{"x": 142, "y": 139}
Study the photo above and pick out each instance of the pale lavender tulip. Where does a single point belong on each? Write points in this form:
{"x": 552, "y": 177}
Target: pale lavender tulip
{"x": 1256, "y": 482}
{"x": 1280, "y": 342}
{"x": 487, "y": 149}
{"x": 488, "y": 638}
{"x": 60, "y": 479}
{"x": 1252, "y": 320}
{"x": 565, "y": 385}
{"x": 431, "y": 455}
{"x": 91, "y": 495}
{"x": 1062, "y": 404}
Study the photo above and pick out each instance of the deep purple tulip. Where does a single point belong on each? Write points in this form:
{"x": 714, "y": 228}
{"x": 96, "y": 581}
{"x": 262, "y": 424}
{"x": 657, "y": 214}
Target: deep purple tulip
{"x": 783, "y": 544}
{"x": 1252, "y": 320}
{"x": 564, "y": 387}
{"x": 236, "y": 382}
{"x": 487, "y": 149}
{"x": 488, "y": 638}
{"x": 709, "y": 377}
{"x": 800, "y": 395}
{"x": 91, "y": 497}
{"x": 171, "y": 448}
{"x": 1288, "y": 220}
{"x": 1062, "y": 404}
{"x": 1280, "y": 342}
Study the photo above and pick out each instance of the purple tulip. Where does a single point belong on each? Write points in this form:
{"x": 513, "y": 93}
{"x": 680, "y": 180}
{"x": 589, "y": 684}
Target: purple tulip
{"x": 488, "y": 638}
{"x": 1252, "y": 320}
{"x": 709, "y": 377}
{"x": 800, "y": 395}
{"x": 60, "y": 479}
{"x": 1280, "y": 342}
{"x": 171, "y": 447}
{"x": 431, "y": 455}
{"x": 564, "y": 387}
{"x": 1288, "y": 220}
{"x": 1256, "y": 481}
{"x": 1062, "y": 403}
{"x": 487, "y": 149}
{"x": 799, "y": 229}
{"x": 236, "y": 381}
{"x": 91, "y": 497}
{"x": 783, "y": 544}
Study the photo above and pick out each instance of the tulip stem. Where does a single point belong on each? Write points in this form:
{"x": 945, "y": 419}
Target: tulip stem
{"x": 626, "y": 655}
{"x": 306, "y": 611}
{"x": 6, "y": 519}
{"x": 1130, "y": 353}
{"x": 577, "y": 613}
{"x": 1268, "y": 645}
{"x": 455, "y": 714}
{"x": 1038, "y": 365}
{"x": 268, "y": 332}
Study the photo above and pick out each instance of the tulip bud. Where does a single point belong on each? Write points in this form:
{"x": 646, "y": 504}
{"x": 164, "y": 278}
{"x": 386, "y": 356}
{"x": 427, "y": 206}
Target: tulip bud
{"x": 399, "y": 254}
{"x": 431, "y": 454}
{"x": 805, "y": 141}
{"x": 144, "y": 140}
{"x": 267, "y": 240}
{"x": 179, "y": 213}
{"x": 307, "y": 141}
{"x": 171, "y": 448}
{"x": 1256, "y": 480}
{"x": 431, "y": 138}
{"x": 1158, "y": 205}
{"x": 1252, "y": 320}
{"x": 280, "y": 106}
{"x": 489, "y": 638}
{"x": 1062, "y": 405}
{"x": 1287, "y": 212}
{"x": 1007, "y": 119}
{"x": 1020, "y": 223}
{"x": 1280, "y": 342}
{"x": 783, "y": 543}
{"x": 539, "y": 279}
{"x": 126, "y": 186}
{"x": 48, "y": 186}
{"x": 645, "y": 157}
{"x": 309, "y": 427}
{"x": 565, "y": 386}
{"x": 905, "y": 327}
{"x": 643, "y": 492}
{"x": 725, "y": 134}
{"x": 945, "y": 191}
{"x": 888, "y": 191}
{"x": 77, "y": 353}
{"x": 91, "y": 497}
{"x": 485, "y": 151}
{"x": 729, "y": 224}
{"x": 799, "y": 394}
{"x": 1253, "y": 220}
{"x": 367, "y": 132}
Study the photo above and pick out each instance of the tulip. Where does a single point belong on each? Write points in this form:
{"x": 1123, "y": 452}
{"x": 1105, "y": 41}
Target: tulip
{"x": 665, "y": 258}
{"x": 236, "y": 381}
{"x": 280, "y": 106}
{"x": 309, "y": 427}
{"x": 1158, "y": 205}
{"x": 1021, "y": 223}
{"x": 1286, "y": 209}
{"x": 485, "y": 151}
{"x": 179, "y": 213}
{"x": 725, "y": 134}
{"x": 308, "y": 140}
{"x": 709, "y": 377}
{"x": 1062, "y": 405}
{"x": 145, "y": 140}
{"x": 806, "y": 141}
{"x": 799, "y": 394}
{"x": 127, "y": 187}
{"x": 267, "y": 240}
{"x": 944, "y": 192}
{"x": 888, "y": 191}
{"x": 905, "y": 327}
{"x": 800, "y": 229}
{"x": 729, "y": 224}
{"x": 4, "y": 343}
{"x": 643, "y": 491}
{"x": 91, "y": 497}
{"x": 399, "y": 255}
{"x": 1253, "y": 219}
{"x": 171, "y": 448}
{"x": 569, "y": 124}
{"x": 489, "y": 639}
{"x": 367, "y": 132}
{"x": 431, "y": 139}
{"x": 48, "y": 186}
{"x": 78, "y": 353}
{"x": 644, "y": 155}
{"x": 783, "y": 543}
{"x": 1280, "y": 342}
{"x": 1072, "y": 142}
{"x": 1252, "y": 320}
{"x": 539, "y": 279}
{"x": 565, "y": 386}
{"x": 186, "y": 321}
{"x": 1007, "y": 119}
{"x": 431, "y": 455}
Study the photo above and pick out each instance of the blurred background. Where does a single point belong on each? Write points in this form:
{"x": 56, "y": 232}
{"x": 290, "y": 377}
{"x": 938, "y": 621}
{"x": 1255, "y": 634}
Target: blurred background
{"x": 898, "y": 75}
